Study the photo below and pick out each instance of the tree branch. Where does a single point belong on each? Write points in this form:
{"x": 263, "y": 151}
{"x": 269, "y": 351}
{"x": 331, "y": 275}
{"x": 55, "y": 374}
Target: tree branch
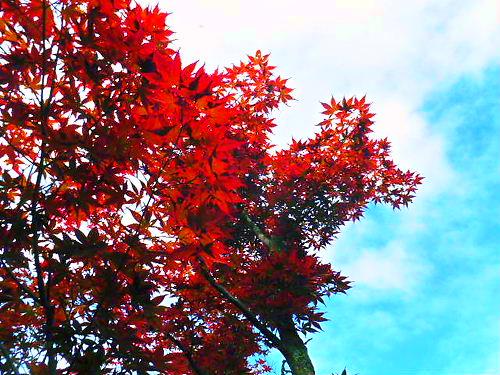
{"x": 36, "y": 225}
{"x": 189, "y": 356}
{"x": 275, "y": 341}
{"x": 23, "y": 287}
{"x": 8, "y": 358}
{"x": 258, "y": 232}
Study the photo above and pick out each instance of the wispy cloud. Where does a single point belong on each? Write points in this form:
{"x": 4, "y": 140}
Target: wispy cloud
{"x": 392, "y": 268}
{"x": 394, "y": 51}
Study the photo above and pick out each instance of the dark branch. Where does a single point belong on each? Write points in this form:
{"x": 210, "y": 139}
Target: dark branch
{"x": 273, "y": 339}
{"x": 8, "y": 359}
{"x": 189, "y": 356}
{"x": 23, "y": 287}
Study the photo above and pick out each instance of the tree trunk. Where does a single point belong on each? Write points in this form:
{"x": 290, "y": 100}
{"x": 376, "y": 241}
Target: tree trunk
{"x": 294, "y": 349}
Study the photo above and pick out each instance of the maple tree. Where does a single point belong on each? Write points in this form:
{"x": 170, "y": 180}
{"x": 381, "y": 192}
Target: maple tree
{"x": 146, "y": 225}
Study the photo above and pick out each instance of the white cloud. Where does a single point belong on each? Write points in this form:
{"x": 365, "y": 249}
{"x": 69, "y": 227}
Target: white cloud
{"x": 360, "y": 43}
{"x": 395, "y": 51}
{"x": 390, "y": 268}
{"x": 415, "y": 146}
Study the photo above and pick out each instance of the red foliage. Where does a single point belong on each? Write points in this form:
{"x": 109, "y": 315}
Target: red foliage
{"x": 125, "y": 172}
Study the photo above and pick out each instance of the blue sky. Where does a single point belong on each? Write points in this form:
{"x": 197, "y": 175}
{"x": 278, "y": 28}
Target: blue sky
{"x": 426, "y": 297}
{"x": 445, "y": 318}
